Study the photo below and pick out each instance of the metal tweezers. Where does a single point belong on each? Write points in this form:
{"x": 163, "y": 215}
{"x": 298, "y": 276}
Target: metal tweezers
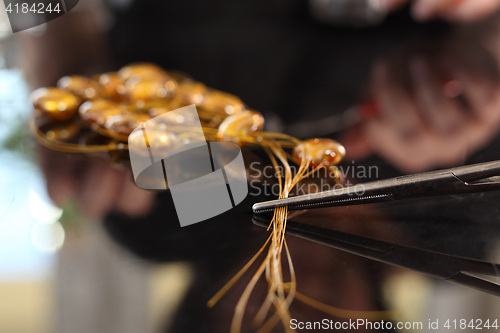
{"x": 467, "y": 179}
{"x": 439, "y": 265}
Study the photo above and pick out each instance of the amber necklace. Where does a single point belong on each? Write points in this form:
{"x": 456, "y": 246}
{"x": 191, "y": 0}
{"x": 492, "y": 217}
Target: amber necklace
{"x": 113, "y": 104}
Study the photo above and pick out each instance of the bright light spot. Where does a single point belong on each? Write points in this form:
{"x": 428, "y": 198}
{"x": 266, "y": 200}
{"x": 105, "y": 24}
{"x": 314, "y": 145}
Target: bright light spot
{"x": 43, "y": 211}
{"x": 47, "y": 237}
{"x": 230, "y": 109}
{"x": 162, "y": 92}
{"x": 62, "y": 106}
{"x": 197, "y": 98}
{"x": 89, "y": 92}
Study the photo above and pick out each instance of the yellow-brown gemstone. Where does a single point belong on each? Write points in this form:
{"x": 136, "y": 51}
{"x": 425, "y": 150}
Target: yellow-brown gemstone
{"x": 319, "y": 151}
{"x": 159, "y": 110}
{"x": 190, "y": 92}
{"x": 145, "y": 90}
{"x": 81, "y": 86}
{"x": 57, "y": 104}
{"x": 125, "y": 124}
{"x": 142, "y": 71}
{"x": 62, "y": 131}
{"x": 112, "y": 86}
{"x": 99, "y": 111}
{"x": 222, "y": 103}
{"x": 241, "y": 124}
{"x": 160, "y": 140}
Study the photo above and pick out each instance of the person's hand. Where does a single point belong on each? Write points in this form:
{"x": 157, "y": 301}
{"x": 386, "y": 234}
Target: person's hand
{"x": 94, "y": 185}
{"x": 453, "y": 10}
{"x": 425, "y": 119}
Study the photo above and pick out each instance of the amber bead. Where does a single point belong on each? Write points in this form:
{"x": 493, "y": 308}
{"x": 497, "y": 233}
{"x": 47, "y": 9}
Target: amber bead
{"x": 161, "y": 141}
{"x": 55, "y": 103}
{"x": 81, "y": 86}
{"x": 159, "y": 110}
{"x": 169, "y": 88}
{"x": 146, "y": 106}
{"x": 222, "y": 103}
{"x": 61, "y": 131}
{"x": 320, "y": 151}
{"x": 112, "y": 86}
{"x": 190, "y": 92}
{"x": 145, "y": 90}
{"x": 241, "y": 124}
{"x": 142, "y": 71}
{"x": 125, "y": 124}
{"x": 175, "y": 119}
{"x": 99, "y": 111}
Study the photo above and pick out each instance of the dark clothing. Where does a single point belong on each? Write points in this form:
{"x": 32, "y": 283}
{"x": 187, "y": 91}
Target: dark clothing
{"x": 272, "y": 54}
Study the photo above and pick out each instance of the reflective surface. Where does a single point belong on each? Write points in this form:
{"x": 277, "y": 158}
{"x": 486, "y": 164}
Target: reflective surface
{"x": 83, "y": 249}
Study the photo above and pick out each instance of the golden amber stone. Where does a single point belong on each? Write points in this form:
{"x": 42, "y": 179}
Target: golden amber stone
{"x": 159, "y": 110}
{"x": 57, "y": 104}
{"x": 62, "y": 131}
{"x": 241, "y": 124}
{"x": 190, "y": 92}
{"x": 125, "y": 124}
{"x": 169, "y": 89}
{"x": 145, "y": 90}
{"x": 222, "y": 103}
{"x": 319, "y": 151}
{"x": 81, "y": 86}
{"x": 99, "y": 111}
{"x": 142, "y": 71}
{"x": 112, "y": 86}
{"x": 142, "y": 106}
{"x": 162, "y": 141}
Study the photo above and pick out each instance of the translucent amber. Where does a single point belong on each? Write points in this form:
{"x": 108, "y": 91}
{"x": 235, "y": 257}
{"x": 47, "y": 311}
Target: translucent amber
{"x": 160, "y": 140}
{"x": 190, "y": 92}
{"x": 168, "y": 90}
{"x": 146, "y": 106}
{"x": 142, "y": 71}
{"x": 241, "y": 124}
{"x": 182, "y": 121}
{"x": 145, "y": 90}
{"x": 125, "y": 124}
{"x": 112, "y": 86}
{"x": 99, "y": 111}
{"x": 81, "y": 86}
{"x": 159, "y": 110}
{"x": 326, "y": 151}
{"x": 62, "y": 131}
{"x": 55, "y": 103}
{"x": 222, "y": 103}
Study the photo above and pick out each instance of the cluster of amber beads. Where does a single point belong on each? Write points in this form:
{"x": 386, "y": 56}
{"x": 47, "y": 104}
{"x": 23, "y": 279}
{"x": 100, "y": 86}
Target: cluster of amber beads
{"x": 115, "y": 103}
{"x": 118, "y": 102}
